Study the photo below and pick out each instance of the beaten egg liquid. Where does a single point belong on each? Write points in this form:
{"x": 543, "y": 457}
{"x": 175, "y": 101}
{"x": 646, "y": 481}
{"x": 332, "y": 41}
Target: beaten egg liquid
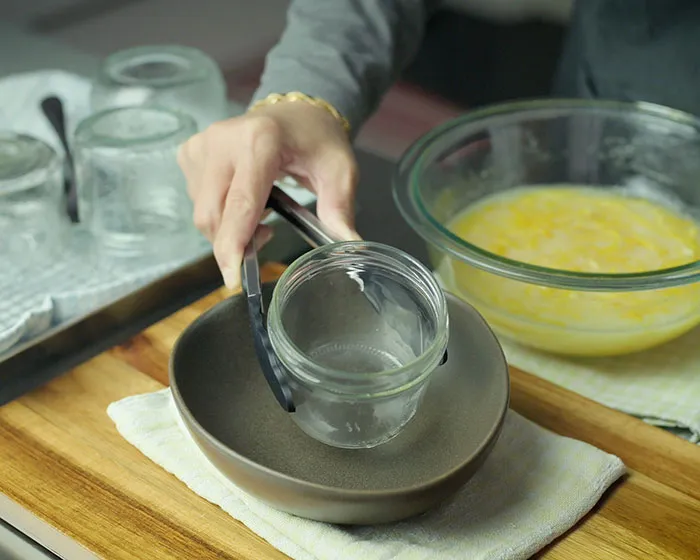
{"x": 583, "y": 230}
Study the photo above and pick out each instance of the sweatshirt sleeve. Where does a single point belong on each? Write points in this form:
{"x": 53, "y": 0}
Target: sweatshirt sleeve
{"x": 347, "y": 52}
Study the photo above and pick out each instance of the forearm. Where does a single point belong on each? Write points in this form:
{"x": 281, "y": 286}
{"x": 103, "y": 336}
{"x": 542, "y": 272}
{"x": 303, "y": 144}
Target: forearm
{"x": 347, "y": 52}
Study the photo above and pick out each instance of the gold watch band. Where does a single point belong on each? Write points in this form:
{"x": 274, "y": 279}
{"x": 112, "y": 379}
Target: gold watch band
{"x": 292, "y": 96}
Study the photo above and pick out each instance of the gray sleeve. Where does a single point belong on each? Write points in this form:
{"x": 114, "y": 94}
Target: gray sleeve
{"x": 347, "y": 52}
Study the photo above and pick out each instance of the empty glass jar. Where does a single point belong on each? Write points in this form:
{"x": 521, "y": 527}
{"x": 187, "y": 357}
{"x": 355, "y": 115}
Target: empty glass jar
{"x": 132, "y": 195}
{"x": 178, "y": 77}
{"x": 33, "y": 219}
{"x": 359, "y": 328}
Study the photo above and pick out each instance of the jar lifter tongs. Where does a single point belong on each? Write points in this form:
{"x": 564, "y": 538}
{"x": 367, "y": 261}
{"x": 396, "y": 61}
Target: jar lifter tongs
{"x": 310, "y": 228}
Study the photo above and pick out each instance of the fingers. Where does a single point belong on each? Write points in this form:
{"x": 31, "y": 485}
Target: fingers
{"x": 188, "y": 154}
{"x": 209, "y": 204}
{"x": 337, "y": 180}
{"x": 208, "y": 168}
{"x": 230, "y": 169}
{"x": 256, "y": 169}
{"x": 263, "y": 235}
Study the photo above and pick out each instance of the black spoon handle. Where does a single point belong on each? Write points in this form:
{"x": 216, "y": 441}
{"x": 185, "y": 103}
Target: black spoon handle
{"x": 52, "y": 107}
{"x": 53, "y": 110}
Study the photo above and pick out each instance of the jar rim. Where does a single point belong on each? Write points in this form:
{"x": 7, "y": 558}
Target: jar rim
{"x": 412, "y": 165}
{"x": 178, "y": 128}
{"x": 334, "y": 378}
{"x": 191, "y": 64}
{"x": 36, "y": 161}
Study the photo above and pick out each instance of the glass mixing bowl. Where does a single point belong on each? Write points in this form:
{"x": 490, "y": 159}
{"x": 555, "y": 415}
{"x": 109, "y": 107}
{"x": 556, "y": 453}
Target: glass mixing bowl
{"x": 645, "y": 150}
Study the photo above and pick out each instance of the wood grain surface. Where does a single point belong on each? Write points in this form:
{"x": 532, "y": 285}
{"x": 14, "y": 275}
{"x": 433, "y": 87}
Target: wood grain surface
{"x": 62, "y": 459}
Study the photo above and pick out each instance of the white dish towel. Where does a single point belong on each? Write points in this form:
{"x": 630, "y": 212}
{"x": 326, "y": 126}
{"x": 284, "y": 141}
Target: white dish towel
{"x": 533, "y": 487}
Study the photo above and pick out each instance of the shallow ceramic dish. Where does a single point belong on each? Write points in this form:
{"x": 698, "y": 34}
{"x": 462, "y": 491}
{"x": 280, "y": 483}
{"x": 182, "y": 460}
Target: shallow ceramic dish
{"x": 225, "y": 403}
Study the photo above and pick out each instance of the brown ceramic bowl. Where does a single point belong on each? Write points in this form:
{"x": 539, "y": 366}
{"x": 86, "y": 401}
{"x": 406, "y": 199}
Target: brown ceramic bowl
{"x": 225, "y": 403}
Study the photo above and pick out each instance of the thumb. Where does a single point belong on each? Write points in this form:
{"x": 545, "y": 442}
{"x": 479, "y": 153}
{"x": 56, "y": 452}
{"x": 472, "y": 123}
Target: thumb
{"x": 336, "y": 186}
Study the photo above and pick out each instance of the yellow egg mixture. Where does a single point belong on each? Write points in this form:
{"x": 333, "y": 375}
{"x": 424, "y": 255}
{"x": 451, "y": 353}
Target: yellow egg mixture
{"x": 585, "y": 230}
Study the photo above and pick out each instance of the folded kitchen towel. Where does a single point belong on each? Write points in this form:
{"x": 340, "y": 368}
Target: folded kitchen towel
{"x": 533, "y": 487}
{"x": 660, "y": 385}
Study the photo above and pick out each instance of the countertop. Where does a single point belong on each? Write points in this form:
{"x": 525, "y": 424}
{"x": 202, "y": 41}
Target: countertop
{"x": 91, "y": 494}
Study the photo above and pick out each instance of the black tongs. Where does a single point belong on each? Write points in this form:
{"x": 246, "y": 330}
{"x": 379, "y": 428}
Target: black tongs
{"x": 269, "y": 363}
{"x": 310, "y": 228}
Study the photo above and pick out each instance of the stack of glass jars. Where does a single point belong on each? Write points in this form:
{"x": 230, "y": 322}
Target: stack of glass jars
{"x": 176, "y": 77}
{"x": 132, "y": 196}
{"x": 134, "y": 214}
{"x": 146, "y": 101}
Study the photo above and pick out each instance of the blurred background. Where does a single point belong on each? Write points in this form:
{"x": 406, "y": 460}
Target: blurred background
{"x": 508, "y": 49}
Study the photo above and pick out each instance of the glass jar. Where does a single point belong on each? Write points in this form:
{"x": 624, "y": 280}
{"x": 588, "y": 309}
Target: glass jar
{"x": 132, "y": 196}
{"x": 181, "y": 78}
{"x": 33, "y": 220}
{"x": 359, "y": 327}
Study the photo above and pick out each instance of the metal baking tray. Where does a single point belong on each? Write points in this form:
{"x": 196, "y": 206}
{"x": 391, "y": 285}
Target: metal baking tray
{"x": 57, "y": 351}
{"x": 31, "y": 364}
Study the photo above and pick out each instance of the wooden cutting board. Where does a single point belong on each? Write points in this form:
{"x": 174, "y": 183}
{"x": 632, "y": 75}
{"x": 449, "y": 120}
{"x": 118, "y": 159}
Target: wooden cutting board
{"x": 62, "y": 459}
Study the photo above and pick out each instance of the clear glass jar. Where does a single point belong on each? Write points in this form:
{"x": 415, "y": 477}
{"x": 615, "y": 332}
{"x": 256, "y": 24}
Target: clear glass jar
{"x": 33, "y": 221}
{"x": 132, "y": 196}
{"x": 181, "y": 78}
{"x": 359, "y": 327}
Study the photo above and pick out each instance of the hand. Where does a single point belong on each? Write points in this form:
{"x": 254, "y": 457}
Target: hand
{"x": 230, "y": 168}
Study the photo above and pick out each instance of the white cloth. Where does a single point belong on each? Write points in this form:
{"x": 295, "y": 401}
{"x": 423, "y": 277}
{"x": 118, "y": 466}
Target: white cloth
{"x": 20, "y": 102}
{"x": 660, "y": 385}
{"x": 533, "y": 487}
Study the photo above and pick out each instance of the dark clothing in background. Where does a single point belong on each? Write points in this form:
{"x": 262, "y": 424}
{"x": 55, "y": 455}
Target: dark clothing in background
{"x": 634, "y": 50}
{"x": 349, "y": 52}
